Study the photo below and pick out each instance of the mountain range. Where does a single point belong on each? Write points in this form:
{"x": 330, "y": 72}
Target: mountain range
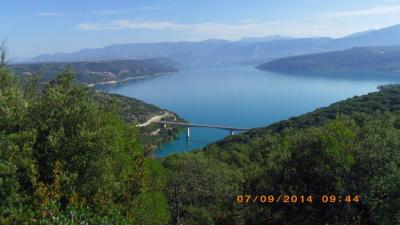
{"x": 251, "y": 50}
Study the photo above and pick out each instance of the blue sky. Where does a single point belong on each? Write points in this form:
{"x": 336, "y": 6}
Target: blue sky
{"x": 34, "y": 27}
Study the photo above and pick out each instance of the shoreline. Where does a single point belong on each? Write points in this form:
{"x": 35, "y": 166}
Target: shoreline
{"x": 130, "y": 78}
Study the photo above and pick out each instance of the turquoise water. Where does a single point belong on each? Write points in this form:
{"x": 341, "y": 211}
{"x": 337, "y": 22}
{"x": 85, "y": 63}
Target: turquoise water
{"x": 241, "y": 96}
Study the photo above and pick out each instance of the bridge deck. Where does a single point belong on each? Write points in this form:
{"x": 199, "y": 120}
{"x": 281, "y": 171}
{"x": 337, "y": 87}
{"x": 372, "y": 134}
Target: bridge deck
{"x": 201, "y": 125}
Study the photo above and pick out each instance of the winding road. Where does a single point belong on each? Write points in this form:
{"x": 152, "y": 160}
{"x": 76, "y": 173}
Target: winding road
{"x": 153, "y": 119}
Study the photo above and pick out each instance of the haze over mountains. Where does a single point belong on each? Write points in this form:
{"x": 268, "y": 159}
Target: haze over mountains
{"x": 251, "y": 50}
{"x": 203, "y": 52}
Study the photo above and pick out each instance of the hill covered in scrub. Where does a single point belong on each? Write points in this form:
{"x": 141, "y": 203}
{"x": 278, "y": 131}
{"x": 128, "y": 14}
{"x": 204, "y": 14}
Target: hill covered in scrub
{"x": 70, "y": 155}
{"x": 137, "y": 112}
{"x": 350, "y": 148}
{"x": 362, "y": 59}
{"x": 97, "y": 72}
{"x": 129, "y": 109}
{"x": 66, "y": 159}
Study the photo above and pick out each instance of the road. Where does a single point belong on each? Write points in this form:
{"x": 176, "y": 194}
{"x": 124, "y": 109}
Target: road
{"x": 153, "y": 119}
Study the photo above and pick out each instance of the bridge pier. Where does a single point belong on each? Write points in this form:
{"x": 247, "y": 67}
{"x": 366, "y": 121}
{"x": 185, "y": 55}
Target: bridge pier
{"x": 187, "y": 132}
{"x": 231, "y": 130}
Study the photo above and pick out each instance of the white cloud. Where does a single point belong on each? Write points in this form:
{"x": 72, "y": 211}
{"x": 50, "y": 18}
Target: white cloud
{"x": 327, "y": 25}
{"x": 127, "y": 24}
{"x": 48, "y": 14}
{"x": 378, "y": 10}
{"x": 244, "y": 28}
{"x": 215, "y": 30}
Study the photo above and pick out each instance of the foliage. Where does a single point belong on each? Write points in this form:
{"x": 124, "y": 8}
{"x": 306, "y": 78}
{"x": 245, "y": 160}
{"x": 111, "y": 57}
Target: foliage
{"x": 66, "y": 160}
{"x": 99, "y": 71}
{"x": 348, "y": 148}
{"x": 67, "y": 157}
{"x": 135, "y": 111}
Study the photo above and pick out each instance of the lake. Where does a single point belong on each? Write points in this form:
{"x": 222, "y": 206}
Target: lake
{"x": 241, "y": 96}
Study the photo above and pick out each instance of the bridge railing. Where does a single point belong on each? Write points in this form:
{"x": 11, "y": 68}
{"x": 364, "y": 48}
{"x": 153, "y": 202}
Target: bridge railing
{"x": 189, "y": 125}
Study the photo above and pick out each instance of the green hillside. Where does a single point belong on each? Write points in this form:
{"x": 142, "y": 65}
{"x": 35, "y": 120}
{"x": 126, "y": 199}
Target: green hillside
{"x": 129, "y": 109}
{"x": 136, "y": 112}
{"x": 66, "y": 159}
{"x": 69, "y": 155}
{"x": 100, "y": 71}
{"x": 361, "y": 59}
{"x": 349, "y": 148}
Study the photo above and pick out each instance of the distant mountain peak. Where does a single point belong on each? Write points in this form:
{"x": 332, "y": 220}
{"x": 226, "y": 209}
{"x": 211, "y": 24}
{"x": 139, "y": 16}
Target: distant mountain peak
{"x": 215, "y": 40}
{"x": 265, "y": 39}
{"x": 354, "y": 35}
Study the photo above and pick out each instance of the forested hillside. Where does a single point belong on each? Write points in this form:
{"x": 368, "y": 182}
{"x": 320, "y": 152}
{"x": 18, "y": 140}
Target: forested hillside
{"x": 93, "y": 72}
{"x": 366, "y": 59}
{"x": 349, "y": 148}
{"x": 65, "y": 159}
{"x": 129, "y": 109}
{"x": 137, "y": 112}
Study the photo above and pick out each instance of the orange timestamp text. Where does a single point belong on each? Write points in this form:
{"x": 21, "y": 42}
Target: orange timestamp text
{"x": 298, "y": 199}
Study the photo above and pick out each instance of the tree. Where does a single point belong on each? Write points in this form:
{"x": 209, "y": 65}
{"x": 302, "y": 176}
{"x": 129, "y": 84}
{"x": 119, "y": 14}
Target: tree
{"x": 4, "y": 54}
{"x": 355, "y": 155}
{"x": 17, "y": 167}
{"x": 64, "y": 160}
